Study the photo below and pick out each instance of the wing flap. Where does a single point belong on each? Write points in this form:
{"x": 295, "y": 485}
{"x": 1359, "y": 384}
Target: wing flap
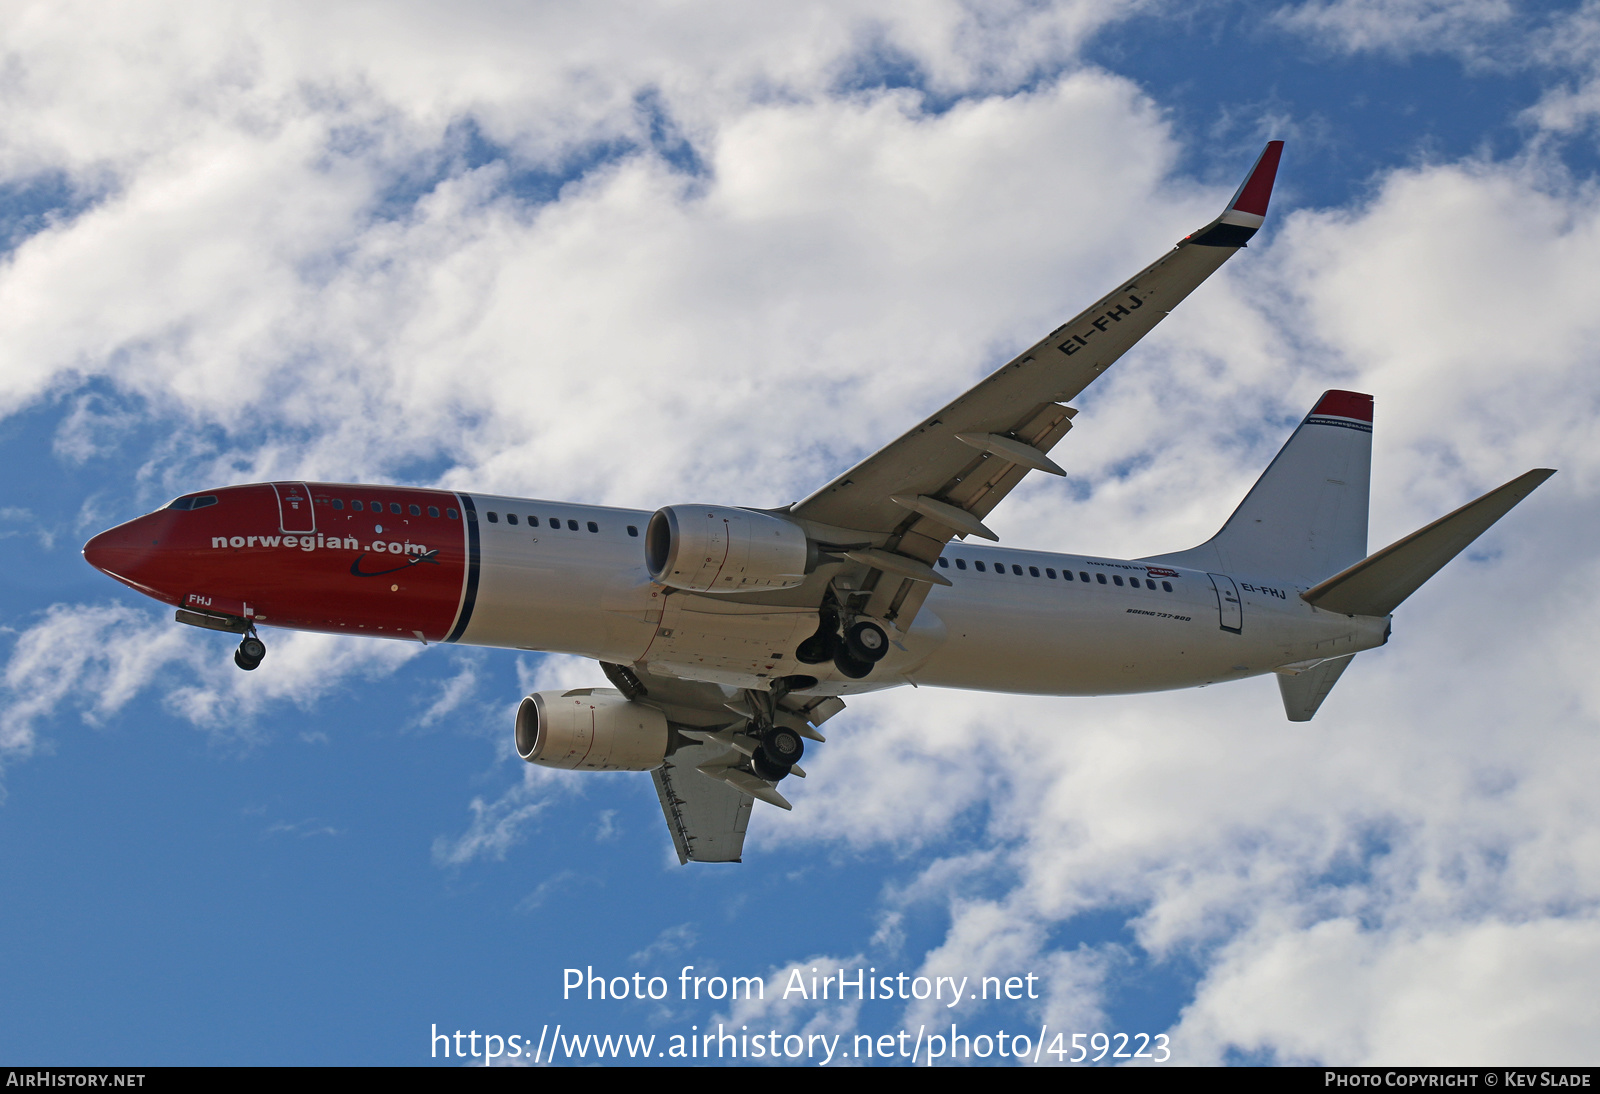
{"x": 707, "y": 818}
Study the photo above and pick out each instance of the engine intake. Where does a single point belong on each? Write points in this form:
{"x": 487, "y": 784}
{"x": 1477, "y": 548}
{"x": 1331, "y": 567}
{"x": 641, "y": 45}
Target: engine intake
{"x": 590, "y": 729}
{"x": 718, "y": 549}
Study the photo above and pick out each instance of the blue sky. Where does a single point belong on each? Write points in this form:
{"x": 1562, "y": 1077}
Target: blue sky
{"x": 638, "y": 258}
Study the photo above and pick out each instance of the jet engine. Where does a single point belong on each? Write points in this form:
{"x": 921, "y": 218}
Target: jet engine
{"x": 590, "y": 729}
{"x": 718, "y": 549}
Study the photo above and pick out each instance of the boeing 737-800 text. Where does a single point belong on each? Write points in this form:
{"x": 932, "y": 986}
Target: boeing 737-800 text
{"x": 730, "y": 634}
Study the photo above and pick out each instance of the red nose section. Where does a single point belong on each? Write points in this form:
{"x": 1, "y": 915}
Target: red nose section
{"x": 128, "y": 551}
{"x": 335, "y": 557}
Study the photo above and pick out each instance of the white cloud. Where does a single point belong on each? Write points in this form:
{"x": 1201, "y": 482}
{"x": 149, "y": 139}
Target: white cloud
{"x": 1480, "y": 994}
{"x": 1464, "y": 27}
{"x": 498, "y": 825}
{"x": 96, "y": 659}
{"x": 455, "y": 691}
{"x": 70, "y": 655}
{"x": 1569, "y": 47}
{"x": 669, "y": 943}
{"x": 1557, "y": 43}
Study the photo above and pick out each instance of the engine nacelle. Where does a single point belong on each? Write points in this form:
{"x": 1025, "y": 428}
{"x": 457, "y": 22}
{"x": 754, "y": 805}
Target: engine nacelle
{"x": 590, "y": 729}
{"x": 718, "y": 549}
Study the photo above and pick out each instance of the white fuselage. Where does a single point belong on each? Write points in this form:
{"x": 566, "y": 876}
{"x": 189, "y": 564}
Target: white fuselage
{"x": 555, "y": 589}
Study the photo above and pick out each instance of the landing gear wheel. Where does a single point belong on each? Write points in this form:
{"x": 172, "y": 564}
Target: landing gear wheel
{"x": 250, "y": 652}
{"x": 866, "y": 641}
{"x": 777, "y": 754}
{"x": 848, "y": 665}
{"x": 783, "y": 746}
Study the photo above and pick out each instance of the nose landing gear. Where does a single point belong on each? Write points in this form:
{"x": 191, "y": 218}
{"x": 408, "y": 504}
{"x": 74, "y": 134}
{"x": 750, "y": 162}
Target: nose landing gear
{"x": 250, "y": 652}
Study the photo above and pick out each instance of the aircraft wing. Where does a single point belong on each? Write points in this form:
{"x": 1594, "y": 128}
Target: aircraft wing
{"x": 943, "y": 476}
{"x": 705, "y": 799}
{"x": 707, "y": 818}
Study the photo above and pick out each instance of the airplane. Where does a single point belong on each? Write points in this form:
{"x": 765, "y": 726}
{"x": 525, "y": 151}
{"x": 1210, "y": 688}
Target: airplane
{"x": 730, "y": 635}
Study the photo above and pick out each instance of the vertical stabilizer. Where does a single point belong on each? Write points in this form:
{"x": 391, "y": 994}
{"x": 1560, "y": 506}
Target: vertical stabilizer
{"x": 1306, "y": 517}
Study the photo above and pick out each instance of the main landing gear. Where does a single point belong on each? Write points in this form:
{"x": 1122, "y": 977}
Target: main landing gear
{"x": 780, "y": 749}
{"x": 854, "y": 650}
{"x": 250, "y": 652}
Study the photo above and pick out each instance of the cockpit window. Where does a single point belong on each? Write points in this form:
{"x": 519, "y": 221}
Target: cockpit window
{"x": 194, "y": 501}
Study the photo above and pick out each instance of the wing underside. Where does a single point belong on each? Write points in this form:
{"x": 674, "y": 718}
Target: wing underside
{"x": 706, "y": 787}
{"x": 707, "y": 818}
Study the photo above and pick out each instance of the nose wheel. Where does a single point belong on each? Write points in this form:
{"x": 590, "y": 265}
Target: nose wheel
{"x": 250, "y": 652}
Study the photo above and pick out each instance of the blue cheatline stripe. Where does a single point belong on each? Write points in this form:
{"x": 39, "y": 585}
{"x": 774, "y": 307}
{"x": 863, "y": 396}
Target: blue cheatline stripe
{"x": 1342, "y": 423}
{"x": 469, "y": 597}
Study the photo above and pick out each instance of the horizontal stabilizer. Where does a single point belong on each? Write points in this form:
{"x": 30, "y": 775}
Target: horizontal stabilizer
{"x": 1303, "y": 693}
{"x": 1378, "y": 584}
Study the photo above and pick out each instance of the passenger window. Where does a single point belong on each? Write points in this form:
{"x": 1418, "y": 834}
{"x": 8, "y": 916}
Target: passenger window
{"x": 1117, "y": 578}
{"x": 533, "y": 521}
{"x": 961, "y": 564}
{"x": 945, "y": 562}
{"x": 357, "y": 506}
{"x": 1167, "y": 585}
{"x": 593, "y": 527}
{"x": 1034, "y": 570}
{"x": 1148, "y": 584}
{"x": 1051, "y": 574}
{"x": 452, "y": 514}
{"x": 416, "y": 510}
{"x": 377, "y": 506}
{"x": 394, "y": 507}
{"x": 632, "y": 531}
{"x": 1085, "y": 577}
{"x": 572, "y": 524}
{"x": 494, "y": 518}
{"x": 338, "y": 503}
{"x": 1101, "y": 578}
{"x": 978, "y": 565}
{"x": 1016, "y": 569}
{"x": 555, "y": 522}
{"x": 511, "y": 518}
{"x": 433, "y": 510}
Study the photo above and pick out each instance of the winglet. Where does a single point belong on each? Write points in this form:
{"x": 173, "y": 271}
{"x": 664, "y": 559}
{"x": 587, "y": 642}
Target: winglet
{"x": 1248, "y": 209}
